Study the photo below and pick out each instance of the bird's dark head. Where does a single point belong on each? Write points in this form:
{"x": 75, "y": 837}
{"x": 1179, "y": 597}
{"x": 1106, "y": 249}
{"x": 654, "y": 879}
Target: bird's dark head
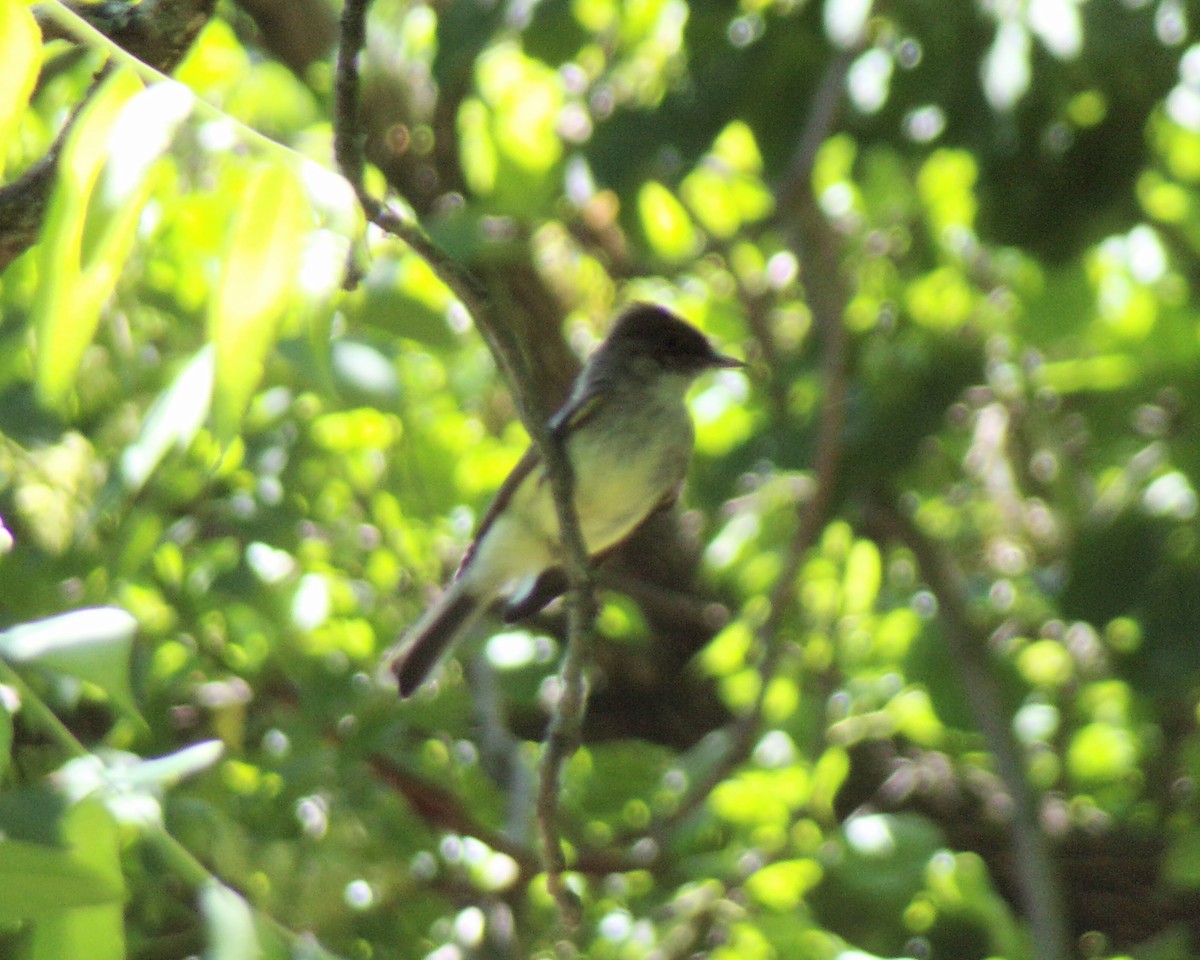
{"x": 649, "y": 330}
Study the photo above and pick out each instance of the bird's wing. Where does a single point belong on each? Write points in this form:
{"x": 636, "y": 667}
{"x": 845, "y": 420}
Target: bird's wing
{"x": 573, "y": 414}
{"x": 568, "y": 419}
{"x": 525, "y": 466}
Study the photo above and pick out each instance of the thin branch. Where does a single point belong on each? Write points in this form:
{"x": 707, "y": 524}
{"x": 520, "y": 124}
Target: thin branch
{"x": 77, "y": 26}
{"x": 563, "y": 733}
{"x": 823, "y": 112}
{"x": 40, "y": 715}
{"x": 442, "y": 808}
{"x": 1037, "y": 875}
{"x": 818, "y": 252}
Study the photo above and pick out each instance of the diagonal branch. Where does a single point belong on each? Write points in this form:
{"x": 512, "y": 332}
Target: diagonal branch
{"x": 1040, "y": 886}
{"x": 818, "y": 249}
{"x": 510, "y": 354}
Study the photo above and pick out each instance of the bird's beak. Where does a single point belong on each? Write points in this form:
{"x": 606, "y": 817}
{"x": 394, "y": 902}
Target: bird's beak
{"x": 724, "y": 361}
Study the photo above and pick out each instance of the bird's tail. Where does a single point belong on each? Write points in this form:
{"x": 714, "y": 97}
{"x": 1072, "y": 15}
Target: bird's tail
{"x": 413, "y": 658}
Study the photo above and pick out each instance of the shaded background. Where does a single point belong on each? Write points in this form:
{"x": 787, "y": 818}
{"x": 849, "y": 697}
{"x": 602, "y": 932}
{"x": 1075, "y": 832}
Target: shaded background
{"x": 943, "y": 528}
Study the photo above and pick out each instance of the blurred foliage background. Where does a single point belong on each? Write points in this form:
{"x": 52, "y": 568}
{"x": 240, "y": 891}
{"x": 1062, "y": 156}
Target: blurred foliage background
{"x": 915, "y": 669}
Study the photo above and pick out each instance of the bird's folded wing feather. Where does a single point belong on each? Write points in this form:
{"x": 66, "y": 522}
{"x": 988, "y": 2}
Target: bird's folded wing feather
{"x": 562, "y": 424}
{"x": 573, "y": 415}
{"x": 525, "y": 466}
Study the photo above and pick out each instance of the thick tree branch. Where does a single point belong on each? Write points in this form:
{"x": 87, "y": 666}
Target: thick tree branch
{"x": 158, "y": 32}
{"x": 23, "y": 202}
{"x": 299, "y": 33}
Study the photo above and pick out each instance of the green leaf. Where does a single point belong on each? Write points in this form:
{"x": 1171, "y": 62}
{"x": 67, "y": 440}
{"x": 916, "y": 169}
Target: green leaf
{"x": 103, "y": 183}
{"x": 666, "y": 223}
{"x": 829, "y": 774}
{"x": 92, "y": 645}
{"x": 6, "y": 733}
{"x": 404, "y": 298}
{"x": 258, "y": 273}
{"x": 172, "y": 420}
{"x": 1102, "y": 752}
{"x": 864, "y": 574}
{"x": 174, "y": 767}
{"x": 93, "y": 932}
{"x": 39, "y": 881}
{"x": 88, "y": 933}
{"x": 782, "y": 885}
{"x": 231, "y": 931}
{"x": 20, "y": 60}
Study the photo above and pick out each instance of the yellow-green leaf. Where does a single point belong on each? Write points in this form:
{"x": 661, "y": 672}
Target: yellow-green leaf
{"x": 87, "y": 933}
{"x": 258, "y": 272}
{"x": 782, "y": 885}
{"x": 40, "y": 880}
{"x": 864, "y": 574}
{"x": 20, "y": 59}
{"x": 666, "y": 223}
{"x": 103, "y": 183}
{"x": 63, "y": 330}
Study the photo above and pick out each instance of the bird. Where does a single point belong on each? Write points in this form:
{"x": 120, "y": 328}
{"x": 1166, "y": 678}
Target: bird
{"x": 628, "y": 435}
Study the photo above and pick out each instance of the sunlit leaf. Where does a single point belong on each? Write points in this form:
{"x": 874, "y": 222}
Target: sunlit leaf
{"x": 172, "y": 420}
{"x": 1046, "y": 663}
{"x": 258, "y": 273}
{"x": 666, "y": 223}
{"x": 782, "y": 885}
{"x": 85, "y": 933}
{"x": 941, "y": 299}
{"x": 102, "y": 185}
{"x": 93, "y": 645}
{"x": 1102, "y": 373}
{"x": 20, "y": 59}
{"x": 480, "y": 159}
{"x": 230, "y": 924}
{"x": 864, "y": 574}
{"x": 727, "y": 651}
{"x": 708, "y": 196}
{"x": 946, "y": 185}
{"x": 828, "y": 775}
{"x": 41, "y": 880}
{"x": 1102, "y": 752}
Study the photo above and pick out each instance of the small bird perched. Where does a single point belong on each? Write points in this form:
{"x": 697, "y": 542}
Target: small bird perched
{"x": 628, "y": 436}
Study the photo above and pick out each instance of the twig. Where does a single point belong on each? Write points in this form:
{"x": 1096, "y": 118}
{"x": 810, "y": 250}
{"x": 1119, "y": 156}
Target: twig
{"x": 442, "y": 808}
{"x": 77, "y": 26}
{"x": 823, "y": 112}
{"x": 509, "y": 353}
{"x": 1037, "y": 876}
{"x": 818, "y": 249}
{"x": 40, "y": 715}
